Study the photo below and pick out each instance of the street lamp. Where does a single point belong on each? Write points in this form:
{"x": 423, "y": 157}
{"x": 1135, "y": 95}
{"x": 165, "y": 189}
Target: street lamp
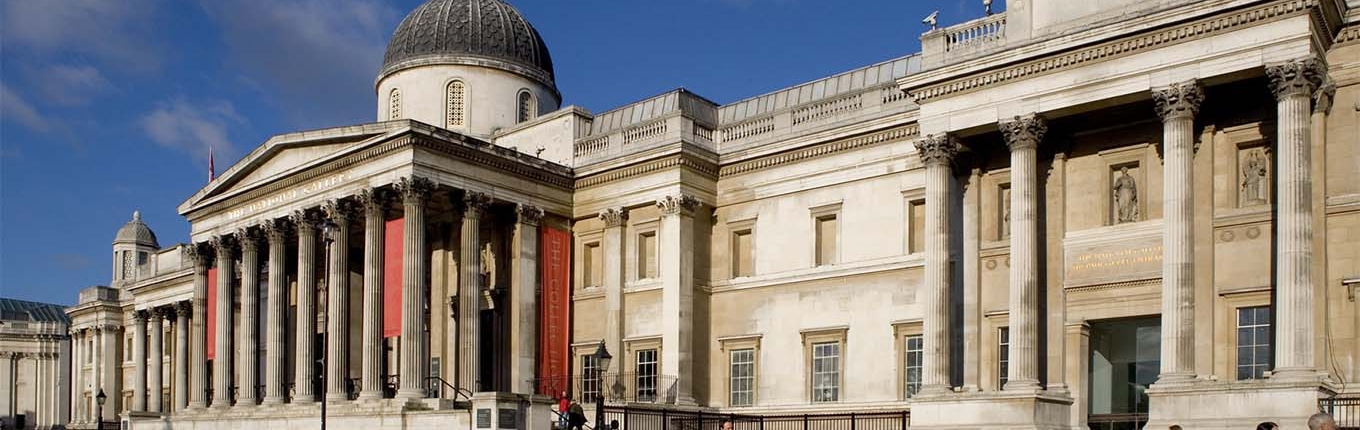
{"x": 99, "y": 415}
{"x": 327, "y": 229}
{"x": 602, "y": 359}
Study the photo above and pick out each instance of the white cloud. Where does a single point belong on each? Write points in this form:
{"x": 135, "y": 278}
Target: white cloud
{"x": 114, "y": 31}
{"x": 13, "y": 107}
{"x": 193, "y": 127}
{"x": 68, "y": 85}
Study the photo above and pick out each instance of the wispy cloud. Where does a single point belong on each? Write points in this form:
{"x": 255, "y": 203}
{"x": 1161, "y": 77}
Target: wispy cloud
{"x": 193, "y": 127}
{"x": 68, "y": 85}
{"x": 315, "y": 58}
{"x": 13, "y": 107}
{"x": 117, "y": 32}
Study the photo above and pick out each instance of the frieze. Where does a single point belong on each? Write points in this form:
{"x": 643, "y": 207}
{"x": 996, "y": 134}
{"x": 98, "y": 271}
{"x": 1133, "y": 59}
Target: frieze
{"x": 288, "y": 196}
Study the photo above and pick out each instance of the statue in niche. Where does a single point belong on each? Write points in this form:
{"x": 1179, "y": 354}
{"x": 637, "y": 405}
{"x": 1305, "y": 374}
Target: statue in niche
{"x": 1254, "y": 177}
{"x": 1005, "y": 212}
{"x": 1125, "y": 197}
{"x": 488, "y": 268}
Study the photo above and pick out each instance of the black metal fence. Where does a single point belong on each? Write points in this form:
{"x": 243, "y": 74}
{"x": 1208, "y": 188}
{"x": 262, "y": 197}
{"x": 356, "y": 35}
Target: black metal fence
{"x": 616, "y": 388}
{"x": 663, "y": 419}
{"x": 1344, "y": 409}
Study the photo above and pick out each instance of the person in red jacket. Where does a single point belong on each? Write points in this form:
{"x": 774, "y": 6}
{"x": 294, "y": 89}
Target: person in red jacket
{"x": 563, "y": 403}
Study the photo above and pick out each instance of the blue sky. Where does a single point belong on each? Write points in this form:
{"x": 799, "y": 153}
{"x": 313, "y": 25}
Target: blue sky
{"x": 109, "y": 106}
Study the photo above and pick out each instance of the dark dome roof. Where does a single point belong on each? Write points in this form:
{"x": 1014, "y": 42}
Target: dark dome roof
{"x": 468, "y": 32}
{"x": 136, "y": 232}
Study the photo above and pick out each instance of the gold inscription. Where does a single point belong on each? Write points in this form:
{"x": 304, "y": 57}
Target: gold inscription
{"x": 1122, "y": 258}
{"x": 288, "y": 195}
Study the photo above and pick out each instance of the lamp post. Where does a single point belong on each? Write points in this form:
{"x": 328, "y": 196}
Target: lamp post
{"x": 327, "y": 229}
{"x": 99, "y": 413}
{"x": 602, "y": 359}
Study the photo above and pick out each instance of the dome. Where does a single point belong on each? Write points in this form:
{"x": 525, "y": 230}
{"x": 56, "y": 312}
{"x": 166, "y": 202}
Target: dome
{"x": 475, "y": 32}
{"x": 136, "y": 232}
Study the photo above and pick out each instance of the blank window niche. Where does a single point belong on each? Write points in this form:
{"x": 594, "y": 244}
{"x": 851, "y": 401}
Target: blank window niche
{"x": 593, "y": 264}
{"x": 743, "y": 248}
{"x": 916, "y": 213}
{"x": 646, "y": 255}
{"x": 826, "y": 229}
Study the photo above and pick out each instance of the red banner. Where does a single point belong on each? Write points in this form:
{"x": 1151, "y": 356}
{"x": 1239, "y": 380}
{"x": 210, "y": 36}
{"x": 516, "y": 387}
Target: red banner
{"x": 212, "y": 313}
{"x": 391, "y": 282}
{"x": 554, "y": 330}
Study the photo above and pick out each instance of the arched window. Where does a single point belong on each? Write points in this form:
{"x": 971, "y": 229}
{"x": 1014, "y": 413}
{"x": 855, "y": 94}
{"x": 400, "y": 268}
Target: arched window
{"x": 394, "y": 104}
{"x": 526, "y": 106}
{"x": 455, "y": 99}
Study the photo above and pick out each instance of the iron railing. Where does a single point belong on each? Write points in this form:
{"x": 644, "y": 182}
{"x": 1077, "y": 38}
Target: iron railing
{"x": 1345, "y": 409}
{"x": 616, "y": 388}
{"x": 633, "y": 418}
{"x": 1116, "y": 421}
{"x": 436, "y": 387}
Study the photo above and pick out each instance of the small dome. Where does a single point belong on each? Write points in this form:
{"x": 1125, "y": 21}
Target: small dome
{"x": 475, "y": 32}
{"x": 136, "y": 232}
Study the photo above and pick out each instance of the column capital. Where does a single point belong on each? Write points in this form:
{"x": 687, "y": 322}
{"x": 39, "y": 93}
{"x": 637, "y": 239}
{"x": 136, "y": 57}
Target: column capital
{"x": 1023, "y": 131}
{"x": 684, "y": 204}
{"x": 528, "y": 214}
{"x": 614, "y": 217}
{"x": 139, "y": 316}
{"x": 249, "y": 238}
{"x": 222, "y": 245}
{"x": 1323, "y": 97}
{"x": 194, "y": 253}
{"x": 937, "y": 149}
{"x": 338, "y": 210}
{"x": 373, "y": 200}
{"x": 184, "y": 309}
{"x": 414, "y": 190}
{"x": 475, "y": 203}
{"x": 303, "y": 220}
{"x": 1179, "y": 100}
{"x": 1297, "y": 77}
{"x": 276, "y": 230}
{"x": 156, "y": 314}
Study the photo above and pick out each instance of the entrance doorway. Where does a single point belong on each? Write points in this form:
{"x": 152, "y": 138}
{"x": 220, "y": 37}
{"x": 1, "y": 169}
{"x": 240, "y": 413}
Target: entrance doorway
{"x": 1125, "y": 358}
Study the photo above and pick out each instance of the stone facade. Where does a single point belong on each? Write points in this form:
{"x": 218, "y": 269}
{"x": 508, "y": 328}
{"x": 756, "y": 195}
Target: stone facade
{"x": 1076, "y": 212}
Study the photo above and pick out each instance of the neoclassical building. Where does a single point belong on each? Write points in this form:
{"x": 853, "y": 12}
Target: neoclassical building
{"x": 35, "y": 355}
{"x": 1108, "y": 214}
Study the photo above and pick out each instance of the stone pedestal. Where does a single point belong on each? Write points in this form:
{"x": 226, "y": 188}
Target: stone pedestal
{"x": 993, "y": 410}
{"x": 1203, "y": 405}
{"x": 506, "y": 411}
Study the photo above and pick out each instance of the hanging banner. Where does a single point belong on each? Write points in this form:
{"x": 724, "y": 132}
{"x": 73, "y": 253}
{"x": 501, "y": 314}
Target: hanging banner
{"x": 554, "y": 331}
{"x": 391, "y": 282}
{"x": 212, "y": 313}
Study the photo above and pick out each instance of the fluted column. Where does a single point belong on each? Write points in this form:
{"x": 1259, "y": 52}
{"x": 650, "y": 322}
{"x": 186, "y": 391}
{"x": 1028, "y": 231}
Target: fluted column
{"x": 246, "y": 372}
{"x": 374, "y": 203}
{"x": 198, "y": 350}
{"x": 676, "y": 236}
{"x": 524, "y": 285}
{"x": 470, "y": 291}
{"x": 139, "y": 361}
{"x": 1293, "y": 84}
{"x": 305, "y": 335}
{"x": 223, "y": 356}
{"x": 611, "y": 245}
{"x": 276, "y": 316}
{"x": 180, "y": 385}
{"x": 1023, "y": 135}
{"x": 937, "y": 153}
{"x": 414, "y": 192}
{"x": 76, "y": 387}
{"x": 155, "y": 383}
{"x": 1177, "y": 106}
{"x": 339, "y": 213}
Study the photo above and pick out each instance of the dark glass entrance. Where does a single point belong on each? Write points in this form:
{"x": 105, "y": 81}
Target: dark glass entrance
{"x": 1125, "y": 359}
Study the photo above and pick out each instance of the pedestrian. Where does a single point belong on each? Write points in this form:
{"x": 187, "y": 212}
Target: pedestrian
{"x": 1321, "y": 421}
{"x": 576, "y": 416}
{"x": 563, "y": 403}
{"x": 726, "y": 425}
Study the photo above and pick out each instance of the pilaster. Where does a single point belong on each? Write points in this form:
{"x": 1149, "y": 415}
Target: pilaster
{"x": 615, "y": 219}
{"x": 676, "y": 234}
{"x": 524, "y": 286}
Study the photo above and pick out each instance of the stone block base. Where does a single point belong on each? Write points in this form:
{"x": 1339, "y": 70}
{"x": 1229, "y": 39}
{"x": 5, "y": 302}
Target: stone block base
{"x": 1213, "y": 405}
{"x": 377, "y": 415}
{"x": 992, "y": 410}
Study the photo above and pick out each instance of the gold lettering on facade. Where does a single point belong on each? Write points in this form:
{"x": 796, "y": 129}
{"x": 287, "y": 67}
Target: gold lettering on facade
{"x": 1121, "y": 258}
{"x": 288, "y": 195}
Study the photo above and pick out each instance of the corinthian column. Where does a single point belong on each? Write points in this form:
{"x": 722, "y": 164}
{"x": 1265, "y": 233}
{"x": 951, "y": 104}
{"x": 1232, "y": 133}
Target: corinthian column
{"x": 304, "y": 368}
{"x": 275, "y": 317}
{"x": 414, "y": 191}
{"x": 139, "y": 361}
{"x": 1023, "y": 134}
{"x": 155, "y": 385}
{"x": 612, "y": 247}
{"x": 676, "y": 234}
{"x": 250, "y": 334}
{"x": 937, "y": 153}
{"x": 198, "y": 362}
{"x": 374, "y": 202}
{"x": 339, "y": 213}
{"x": 1293, "y": 84}
{"x": 1177, "y": 106}
{"x": 470, "y": 291}
{"x": 180, "y": 385}
{"x": 524, "y": 285}
{"x": 222, "y": 358}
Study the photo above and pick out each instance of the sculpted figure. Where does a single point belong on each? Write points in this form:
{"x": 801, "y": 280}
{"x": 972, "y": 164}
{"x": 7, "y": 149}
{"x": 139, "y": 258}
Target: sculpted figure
{"x": 1254, "y": 177}
{"x": 1125, "y": 197}
{"x": 489, "y": 267}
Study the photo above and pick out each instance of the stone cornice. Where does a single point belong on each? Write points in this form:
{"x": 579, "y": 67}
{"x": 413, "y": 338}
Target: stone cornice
{"x": 677, "y": 160}
{"x": 1347, "y": 36}
{"x": 1138, "y": 43}
{"x": 824, "y": 149}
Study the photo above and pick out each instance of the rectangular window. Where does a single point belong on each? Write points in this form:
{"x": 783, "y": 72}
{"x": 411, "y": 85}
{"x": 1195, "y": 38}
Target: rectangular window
{"x": 1253, "y": 342}
{"x": 826, "y": 240}
{"x": 1003, "y": 354}
{"x": 590, "y": 378}
{"x": 742, "y": 258}
{"x": 646, "y": 375}
{"x": 913, "y": 364}
{"x": 646, "y": 260}
{"x": 742, "y": 377}
{"x": 916, "y": 210}
{"x": 594, "y": 265}
{"x": 826, "y": 371}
